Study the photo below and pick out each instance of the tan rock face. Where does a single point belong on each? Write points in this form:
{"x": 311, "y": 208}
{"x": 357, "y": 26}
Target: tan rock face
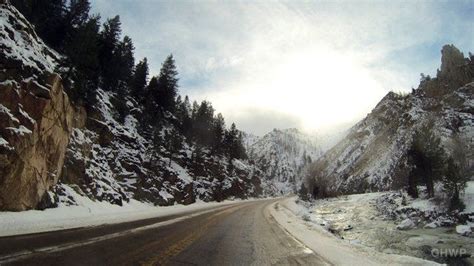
{"x": 35, "y": 124}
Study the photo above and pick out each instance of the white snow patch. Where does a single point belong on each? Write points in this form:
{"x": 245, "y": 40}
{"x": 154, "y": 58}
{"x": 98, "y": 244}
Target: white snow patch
{"x": 27, "y": 116}
{"x": 463, "y": 230}
{"x": 406, "y": 224}
{"x": 21, "y": 130}
{"x": 4, "y": 143}
{"x": 5, "y": 110}
{"x": 89, "y": 213}
{"x": 468, "y": 197}
{"x": 182, "y": 173}
{"x": 334, "y": 250}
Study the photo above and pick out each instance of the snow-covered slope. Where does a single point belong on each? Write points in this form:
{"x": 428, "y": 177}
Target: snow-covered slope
{"x": 116, "y": 162}
{"x": 21, "y": 47}
{"x": 282, "y": 156}
{"x": 49, "y": 144}
{"x": 373, "y": 155}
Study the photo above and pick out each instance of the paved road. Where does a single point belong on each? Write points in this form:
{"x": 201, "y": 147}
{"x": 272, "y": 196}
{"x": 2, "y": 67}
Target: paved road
{"x": 238, "y": 234}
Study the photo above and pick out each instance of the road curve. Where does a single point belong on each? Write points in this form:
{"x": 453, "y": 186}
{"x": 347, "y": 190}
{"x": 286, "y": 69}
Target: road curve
{"x": 238, "y": 234}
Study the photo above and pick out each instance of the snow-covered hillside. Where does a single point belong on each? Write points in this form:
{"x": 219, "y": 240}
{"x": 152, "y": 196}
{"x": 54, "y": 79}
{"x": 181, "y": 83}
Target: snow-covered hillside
{"x": 20, "y": 46}
{"x": 115, "y": 162}
{"x": 373, "y": 155}
{"x": 49, "y": 144}
{"x": 282, "y": 156}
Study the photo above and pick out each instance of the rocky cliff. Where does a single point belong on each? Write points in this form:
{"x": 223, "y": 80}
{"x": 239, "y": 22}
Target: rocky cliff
{"x": 36, "y": 117}
{"x": 282, "y": 155}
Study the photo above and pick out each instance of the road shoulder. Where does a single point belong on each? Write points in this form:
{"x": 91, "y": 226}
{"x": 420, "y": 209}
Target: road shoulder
{"x": 328, "y": 246}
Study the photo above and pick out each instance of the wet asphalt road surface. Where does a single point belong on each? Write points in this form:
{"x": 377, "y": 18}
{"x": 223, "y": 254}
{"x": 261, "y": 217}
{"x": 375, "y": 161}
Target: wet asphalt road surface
{"x": 239, "y": 234}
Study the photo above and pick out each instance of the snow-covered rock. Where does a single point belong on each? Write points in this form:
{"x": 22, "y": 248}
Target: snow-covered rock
{"x": 431, "y": 225}
{"x": 464, "y": 230}
{"x": 36, "y": 116}
{"x": 23, "y": 54}
{"x": 282, "y": 155}
{"x": 117, "y": 162}
{"x": 406, "y": 225}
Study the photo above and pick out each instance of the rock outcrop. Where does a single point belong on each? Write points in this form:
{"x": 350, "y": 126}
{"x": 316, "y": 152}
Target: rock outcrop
{"x": 282, "y": 155}
{"x": 36, "y": 117}
{"x": 35, "y": 125}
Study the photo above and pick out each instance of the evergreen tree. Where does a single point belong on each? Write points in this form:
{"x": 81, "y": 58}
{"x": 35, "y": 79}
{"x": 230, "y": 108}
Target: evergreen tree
{"x": 173, "y": 143}
{"x": 218, "y": 134}
{"x": 77, "y": 14}
{"x": 126, "y": 61}
{"x": 109, "y": 40}
{"x": 178, "y": 103}
{"x": 233, "y": 143}
{"x": 454, "y": 183}
{"x": 48, "y": 18}
{"x": 139, "y": 80}
{"x": 151, "y": 113}
{"x": 167, "y": 85}
{"x": 184, "y": 116}
{"x": 203, "y": 124}
{"x": 458, "y": 172}
{"x": 427, "y": 158}
{"x": 303, "y": 192}
{"x": 194, "y": 110}
{"x": 81, "y": 64}
{"x": 124, "y": 64}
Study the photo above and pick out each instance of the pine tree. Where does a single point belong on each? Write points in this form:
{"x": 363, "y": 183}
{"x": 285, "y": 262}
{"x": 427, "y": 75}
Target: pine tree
{"x": 139, "y": 80}
{"x": 203, "y": 123}
{"x": 167, "y": 85}
{"x": 48, "y": 18}
{"x": 109, "y": 40}
{"x": 81, "y": 64}
{"x": 458, "y": 172}
{"x": 184, "y": 117}
{"x": 124, "y": 64}
{"x": 173, "y": 143}
{"x": 427, "y": 158}
{"x": 126, "y": 60}
{"x": 77, "y": 14}
{"x": 233, "y": 143}
{"x": 303, "y": 192}
{"x": 454, "y": 183}
{"x": 218, "y": 133}
{"x": 151, "y": 113}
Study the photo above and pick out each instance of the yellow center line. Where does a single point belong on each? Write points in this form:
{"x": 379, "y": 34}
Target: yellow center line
{"x": 163, "y": 257}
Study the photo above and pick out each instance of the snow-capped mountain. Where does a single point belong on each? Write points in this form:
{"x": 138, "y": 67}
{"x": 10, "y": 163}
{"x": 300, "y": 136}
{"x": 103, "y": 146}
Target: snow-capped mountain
{"x": 373, "y": 156}
{"x": 282, "y": 155}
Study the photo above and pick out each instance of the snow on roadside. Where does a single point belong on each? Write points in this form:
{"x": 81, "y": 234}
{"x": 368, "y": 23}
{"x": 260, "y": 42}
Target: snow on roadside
{"x": 468, "y": 197}
{"x": 89, "y": 213}
{"x": 287, "y": 214}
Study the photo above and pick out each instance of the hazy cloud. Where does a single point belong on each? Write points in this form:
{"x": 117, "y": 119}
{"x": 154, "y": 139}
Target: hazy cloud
{"x": 307, "y": 64}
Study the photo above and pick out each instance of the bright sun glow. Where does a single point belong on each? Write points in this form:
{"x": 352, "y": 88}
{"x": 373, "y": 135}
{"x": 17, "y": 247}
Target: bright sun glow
{"x": 319, "y": 87}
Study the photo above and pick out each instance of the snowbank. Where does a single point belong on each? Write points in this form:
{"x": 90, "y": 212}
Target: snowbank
{"x": 468, "y": 197}
{"x": 89, "y": 213}
{"x": 464, "y": 230}
{"x": 406, "y": 224}
{"x": 337, "y": 251}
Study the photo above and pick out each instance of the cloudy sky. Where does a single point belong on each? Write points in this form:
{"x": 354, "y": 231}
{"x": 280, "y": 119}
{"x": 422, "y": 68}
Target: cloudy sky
{"x": 314, "y": 65}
